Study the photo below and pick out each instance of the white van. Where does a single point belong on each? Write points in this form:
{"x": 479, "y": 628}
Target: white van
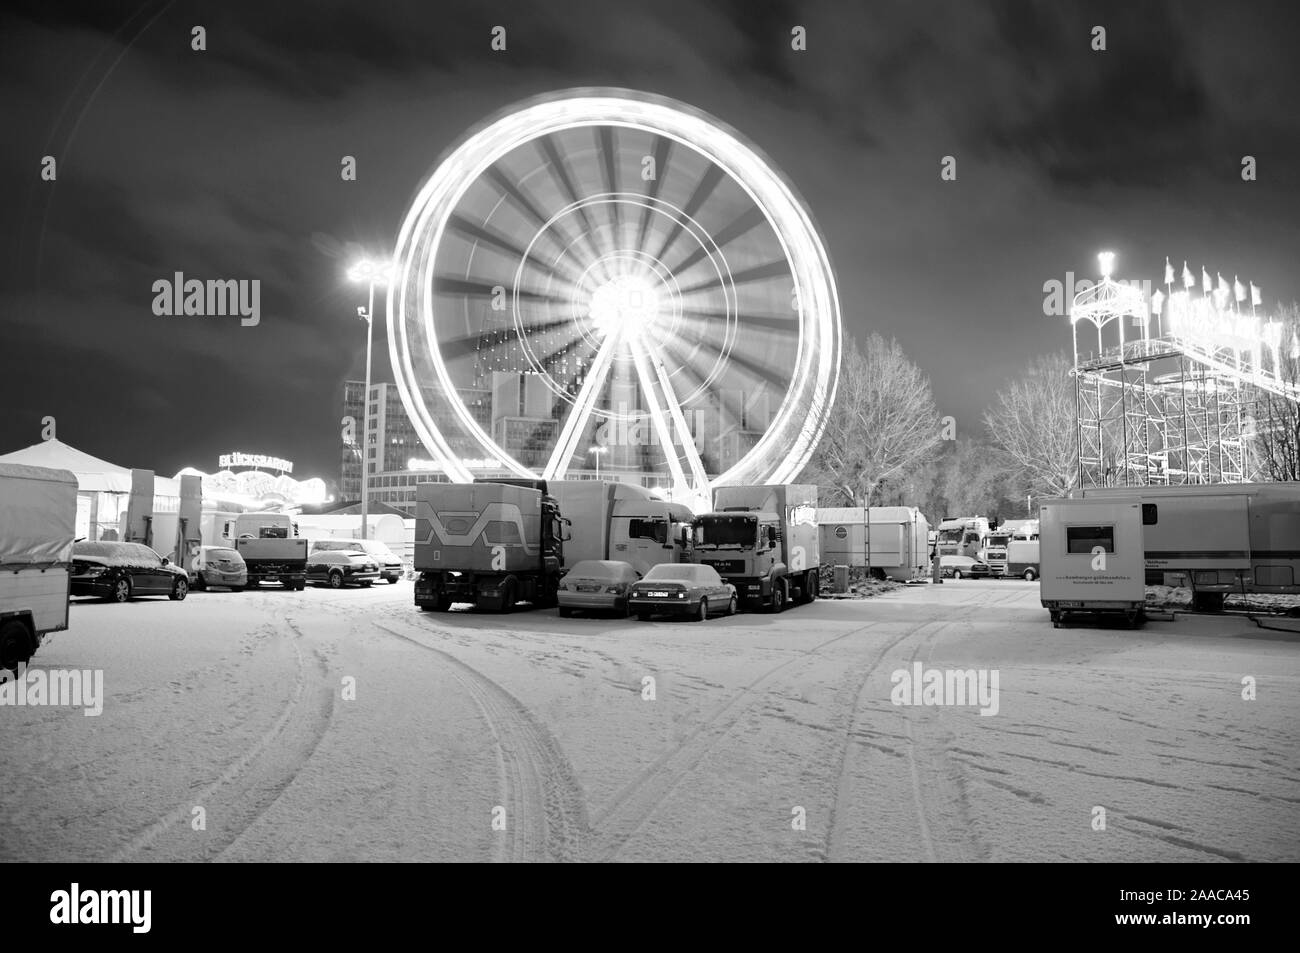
{"x": 1092, "y": 558}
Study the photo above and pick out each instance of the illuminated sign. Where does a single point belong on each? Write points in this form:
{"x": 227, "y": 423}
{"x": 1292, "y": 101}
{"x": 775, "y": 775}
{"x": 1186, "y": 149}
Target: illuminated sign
{"x": 228, "y": 460}
{"x": 486, "y": 463}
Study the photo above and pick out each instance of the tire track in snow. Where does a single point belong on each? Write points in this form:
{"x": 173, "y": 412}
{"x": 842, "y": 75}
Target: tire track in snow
{"x": 546, "y": 815}
{"x": 249, "y": 785}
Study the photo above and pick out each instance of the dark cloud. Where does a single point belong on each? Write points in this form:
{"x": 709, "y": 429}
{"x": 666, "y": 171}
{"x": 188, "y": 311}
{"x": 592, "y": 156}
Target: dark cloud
{"x": 225, "y": 164}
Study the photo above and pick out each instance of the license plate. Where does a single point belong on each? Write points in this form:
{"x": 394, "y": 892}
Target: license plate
{"x": 589, "y": 588}
{"x": 1071, "y": 605}
{"x": 657, "y": 595}
{"x": 271, "y": 578}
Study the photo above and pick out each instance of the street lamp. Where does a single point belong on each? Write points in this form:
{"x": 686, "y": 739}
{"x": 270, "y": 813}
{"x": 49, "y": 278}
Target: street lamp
{"x": 371, "y": 273}
{"x": 596, "y": 452}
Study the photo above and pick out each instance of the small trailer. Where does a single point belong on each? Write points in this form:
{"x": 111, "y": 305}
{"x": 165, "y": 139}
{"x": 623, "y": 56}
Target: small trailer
{"x": 1092, "y": 559}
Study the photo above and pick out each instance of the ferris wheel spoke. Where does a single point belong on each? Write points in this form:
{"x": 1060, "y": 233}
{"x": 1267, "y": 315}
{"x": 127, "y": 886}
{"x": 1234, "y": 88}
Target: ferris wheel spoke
{"x": 466, "y": 344}
{"x": 473, "y": 288}
{"x": 559, "y": 238}
{"x": 647, "y": 379}
{"x": 471, "y": 231}
{"x": 662, "y": 150}
{"x": 678, "y": 419}
{"x": 772, "y": 269}
{"x": 575, "y": 424}
{"x": 747, "y": 222}
{"x": 606, "y": 142}
{"x": 559, "y": 169}
{"x": 788, "y": 325}
{"x": 703, "y": 189}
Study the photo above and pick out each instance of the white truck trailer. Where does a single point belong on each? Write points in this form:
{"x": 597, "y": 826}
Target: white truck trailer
{"x": 622, "y": 521}
{"x": 38, "y": 520}
{"x": 893, "y": 540}
{"x": 1092, "y": 559}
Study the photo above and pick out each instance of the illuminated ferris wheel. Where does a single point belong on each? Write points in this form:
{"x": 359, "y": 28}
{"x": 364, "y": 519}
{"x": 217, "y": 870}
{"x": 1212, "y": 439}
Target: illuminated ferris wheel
{"x": 610, "y": 273}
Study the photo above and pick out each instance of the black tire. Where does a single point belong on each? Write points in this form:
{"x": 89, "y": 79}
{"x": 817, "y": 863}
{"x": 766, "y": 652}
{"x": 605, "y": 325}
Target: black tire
{"x": 1030, "y": 575}
{"x": 121, "y": 590}
{"x": 565, "y": 612}
{"x": 1207, "y": 601}
{"x": 15, "y": 645}
{"x": 180, "y": 589}
{"x": 956, "y": 574}
{"x": 702, "y": 613}
{"x": 365, "y": 583}
{"x": 336, "y": 579}
{"x": 813, "y": 586}
{"x": 509, "y": 595}
{"x": 300, "y": 586}
{"x": 199, "y": 582}
{"x": 778, "y": 597}
{"x": 392, "y": 582}
{"x": 731, "y": 605}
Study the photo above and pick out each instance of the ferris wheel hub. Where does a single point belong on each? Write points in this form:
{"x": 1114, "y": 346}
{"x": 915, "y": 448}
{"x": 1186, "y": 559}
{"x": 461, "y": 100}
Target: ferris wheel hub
{"x": 626, "y": 305}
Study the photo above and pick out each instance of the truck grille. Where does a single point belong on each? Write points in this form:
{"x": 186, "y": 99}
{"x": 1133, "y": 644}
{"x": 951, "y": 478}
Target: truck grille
{"x": 725, "y": 566}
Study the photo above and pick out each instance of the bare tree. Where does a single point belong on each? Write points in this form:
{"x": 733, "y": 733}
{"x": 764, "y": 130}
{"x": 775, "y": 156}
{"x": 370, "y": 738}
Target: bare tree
{"x": 883, "y": 423}
{"x": 1033, "y": 422}
{"x": 1277, "y": 418}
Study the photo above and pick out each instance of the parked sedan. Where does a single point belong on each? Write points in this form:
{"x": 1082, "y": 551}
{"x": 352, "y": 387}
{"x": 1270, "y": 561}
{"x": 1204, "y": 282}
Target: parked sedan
{"x": 597, "y": 585}
{"x": 390, "y": 566}
{"x": 955, "y": 567}
{"x": 219, "y": 566}
{"x": 338, "y": 568}
{"x": 682, "y": 589}
{"x": 121, "y": 571}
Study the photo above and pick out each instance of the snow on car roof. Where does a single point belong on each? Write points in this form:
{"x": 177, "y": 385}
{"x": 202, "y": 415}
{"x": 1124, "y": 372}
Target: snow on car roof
{"x": 684, "y": 572}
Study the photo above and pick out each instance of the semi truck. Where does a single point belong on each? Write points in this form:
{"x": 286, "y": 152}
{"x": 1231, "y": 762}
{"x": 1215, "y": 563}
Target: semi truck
{"x": 962, "y": 535}
{"x": 38, "y": 521}
{"x": 1092, "y": 558}
{"x": 624, "y": 522}
{"x": 764, "y": 541}
{"x": 271, "y": 548}
{"x": 1219, "y": 538}
{"x": 489, "y": 544}
{"x": 995, "y": 551}
{"x": 892, "y": 540}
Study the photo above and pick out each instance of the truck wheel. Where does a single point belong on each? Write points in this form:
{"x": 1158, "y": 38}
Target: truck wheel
{"x": 509, "y": 595}
{"x": 813, "y": 584}
{"x": 731, "y": 606}
{"x": 15, "y": 645}
{"x": 778, "y": 597}
{"x": 121, "y": 590}
{"x": 702, "y": 613}
{"x": 179, "y": 591}
{"x": 1030, "y": 575}
{"x": 336, "y": 579}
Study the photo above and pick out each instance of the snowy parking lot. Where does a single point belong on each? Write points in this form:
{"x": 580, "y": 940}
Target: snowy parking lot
{"x": 348, "y": 725}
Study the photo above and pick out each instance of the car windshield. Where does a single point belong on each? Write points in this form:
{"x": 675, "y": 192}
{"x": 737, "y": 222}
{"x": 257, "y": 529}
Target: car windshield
{"x": 223, "y": 554}
{"x": 680, "y": 572}
{"x": 950, "y": 535}
{"x": 727, "y": 531}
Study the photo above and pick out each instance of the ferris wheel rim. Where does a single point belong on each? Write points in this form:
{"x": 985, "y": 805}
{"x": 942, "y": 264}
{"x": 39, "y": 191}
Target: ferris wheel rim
{"x": 819, "y": 330}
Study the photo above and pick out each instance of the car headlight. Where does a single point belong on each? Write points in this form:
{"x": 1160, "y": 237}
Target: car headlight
{"x": 618, "y": 589}
{"x": 94, "y": 571}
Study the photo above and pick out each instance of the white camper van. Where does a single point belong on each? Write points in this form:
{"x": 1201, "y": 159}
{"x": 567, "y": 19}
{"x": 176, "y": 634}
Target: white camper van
{"x": 1092, "y": 558}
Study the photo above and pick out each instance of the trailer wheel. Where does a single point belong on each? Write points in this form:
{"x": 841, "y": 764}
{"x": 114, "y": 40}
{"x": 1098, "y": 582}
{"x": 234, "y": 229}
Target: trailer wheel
{"x": 1030, "y": 575}
{"x": 15, "y": 645}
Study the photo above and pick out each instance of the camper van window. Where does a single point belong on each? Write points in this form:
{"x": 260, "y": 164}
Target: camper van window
{"x": 649, "y": 529}
{"x": 499, "y": 531}
{"x": 455, "y": 525}
{"x": 1149, "y": 514}
{"x": 1082, "y": 540}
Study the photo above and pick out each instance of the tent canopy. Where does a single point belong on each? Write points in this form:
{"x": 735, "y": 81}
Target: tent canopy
{"x": 93, "y": 474}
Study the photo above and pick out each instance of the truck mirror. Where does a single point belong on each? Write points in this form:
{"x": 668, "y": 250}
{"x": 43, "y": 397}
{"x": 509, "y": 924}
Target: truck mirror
{"x": 771, "y": 536}
{"x": 686, "y": 537}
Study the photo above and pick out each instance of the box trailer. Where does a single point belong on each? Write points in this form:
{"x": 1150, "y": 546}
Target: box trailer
{"x": 1218, "y": 538}
{"x": 492, "y": 545}
{"x": 1092, "y": 559}
{"x": 894, "y": 540}
{"x": 621, "y": 521}
{"x": 38, "y": 520}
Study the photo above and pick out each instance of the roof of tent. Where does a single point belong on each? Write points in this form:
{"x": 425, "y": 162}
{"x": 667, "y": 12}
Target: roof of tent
{"x": 93, "y": 474}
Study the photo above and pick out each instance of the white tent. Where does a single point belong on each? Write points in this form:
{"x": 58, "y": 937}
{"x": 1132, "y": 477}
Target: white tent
{"x": 93, "y": 474}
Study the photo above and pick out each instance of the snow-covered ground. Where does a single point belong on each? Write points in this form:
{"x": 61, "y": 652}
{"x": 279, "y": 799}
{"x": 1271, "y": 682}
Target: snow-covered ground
{"x": 234, "y": 703}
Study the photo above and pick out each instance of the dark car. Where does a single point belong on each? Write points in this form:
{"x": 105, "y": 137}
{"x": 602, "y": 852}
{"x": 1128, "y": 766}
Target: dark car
{"x": 121, "y": 571}
{"x": 390, "y": 565}
{"x": 682, "y": 589}
{"x": 339, "y": 568}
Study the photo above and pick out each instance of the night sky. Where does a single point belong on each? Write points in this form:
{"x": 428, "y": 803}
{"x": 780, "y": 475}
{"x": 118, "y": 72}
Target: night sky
{"x": 225, "y": 163}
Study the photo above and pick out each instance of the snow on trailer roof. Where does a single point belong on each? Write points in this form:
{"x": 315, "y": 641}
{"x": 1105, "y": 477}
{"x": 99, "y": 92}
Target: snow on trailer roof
{"x": 857, "y": 514}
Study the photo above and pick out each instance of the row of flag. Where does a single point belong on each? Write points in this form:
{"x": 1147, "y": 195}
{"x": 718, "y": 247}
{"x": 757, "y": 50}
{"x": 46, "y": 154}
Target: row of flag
{"x": 1238, "y": 289}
